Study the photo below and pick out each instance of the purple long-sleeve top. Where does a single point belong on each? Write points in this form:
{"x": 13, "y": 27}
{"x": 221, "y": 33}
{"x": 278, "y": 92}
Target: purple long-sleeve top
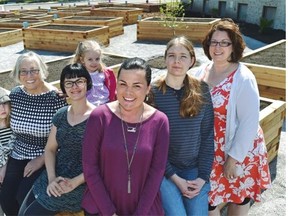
{"x": 105, "y": 164}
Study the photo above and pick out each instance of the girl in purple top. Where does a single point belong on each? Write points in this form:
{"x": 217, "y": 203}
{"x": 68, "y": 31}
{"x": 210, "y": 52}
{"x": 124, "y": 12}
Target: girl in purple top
{"x": 125, "y": 149}
{"x": 89, "y": 54}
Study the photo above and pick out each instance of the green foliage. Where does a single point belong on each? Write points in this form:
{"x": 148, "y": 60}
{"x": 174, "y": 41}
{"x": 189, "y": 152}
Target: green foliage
{"x": 214, "y": 12}
{"x": 264, "y": 25}
{"x": 173, "y": 14}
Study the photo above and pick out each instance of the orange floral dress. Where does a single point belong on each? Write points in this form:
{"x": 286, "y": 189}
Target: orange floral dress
{"x": 253, "y": 171}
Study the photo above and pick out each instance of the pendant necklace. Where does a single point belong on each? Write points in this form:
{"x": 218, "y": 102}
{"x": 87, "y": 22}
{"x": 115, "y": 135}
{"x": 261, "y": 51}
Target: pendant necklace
{"x": 129, "y": 161}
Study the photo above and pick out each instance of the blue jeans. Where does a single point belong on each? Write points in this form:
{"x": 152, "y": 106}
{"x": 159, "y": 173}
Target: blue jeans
{"x": 176, "y": 204}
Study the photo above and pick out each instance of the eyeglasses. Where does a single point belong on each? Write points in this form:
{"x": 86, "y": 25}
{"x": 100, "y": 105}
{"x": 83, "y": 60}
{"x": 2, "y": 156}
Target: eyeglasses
{"x": 221, "y": 43}
{"x": 78, "y": 83}
{"x": 26, "y": 72}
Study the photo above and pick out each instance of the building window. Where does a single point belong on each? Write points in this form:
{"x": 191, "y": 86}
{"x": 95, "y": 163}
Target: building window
{"x": 222, "y": 8}
{"x": 242, "y": 12}
{"x": 269, "y": 12}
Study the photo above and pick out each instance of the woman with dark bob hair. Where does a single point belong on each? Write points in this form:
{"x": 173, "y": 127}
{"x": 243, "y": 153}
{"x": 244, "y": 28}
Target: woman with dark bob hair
{"x": 60, "y": 187}
{"x": 240, "y": 168}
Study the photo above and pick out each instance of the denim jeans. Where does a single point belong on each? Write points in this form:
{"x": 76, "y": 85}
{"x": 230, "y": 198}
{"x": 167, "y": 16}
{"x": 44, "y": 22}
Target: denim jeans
{"x": 176, "y": 204}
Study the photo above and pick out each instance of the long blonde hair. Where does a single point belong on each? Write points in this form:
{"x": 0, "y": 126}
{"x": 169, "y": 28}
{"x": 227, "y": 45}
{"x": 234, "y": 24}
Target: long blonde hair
{"x": 85, "y": 46}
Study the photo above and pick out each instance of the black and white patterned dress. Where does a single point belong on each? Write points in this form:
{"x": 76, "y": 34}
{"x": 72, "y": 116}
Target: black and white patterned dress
{"x": 31, "y": 121}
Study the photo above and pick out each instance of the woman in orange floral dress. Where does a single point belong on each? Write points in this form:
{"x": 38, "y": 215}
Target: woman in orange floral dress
{"x": 240, "y": 168}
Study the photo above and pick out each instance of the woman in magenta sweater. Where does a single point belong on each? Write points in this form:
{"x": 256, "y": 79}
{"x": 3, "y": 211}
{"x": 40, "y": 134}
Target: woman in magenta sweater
{"x": 125, "y": 149}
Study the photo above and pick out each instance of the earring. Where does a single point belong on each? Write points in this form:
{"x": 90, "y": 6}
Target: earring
{"x": 146, "y": 98}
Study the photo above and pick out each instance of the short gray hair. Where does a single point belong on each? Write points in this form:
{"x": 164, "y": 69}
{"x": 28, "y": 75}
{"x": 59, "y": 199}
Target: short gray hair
{"x": 15, "y": 73}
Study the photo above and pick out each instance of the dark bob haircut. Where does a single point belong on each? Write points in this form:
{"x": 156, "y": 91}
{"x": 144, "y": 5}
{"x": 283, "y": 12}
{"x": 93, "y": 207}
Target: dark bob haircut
{"x": 136, "y": 63}
{"x": 74, "y": 71}
{"x": 232, "y": 29}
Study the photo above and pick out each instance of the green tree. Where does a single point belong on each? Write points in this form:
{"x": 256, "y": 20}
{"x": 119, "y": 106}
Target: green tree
{"x": 173, "y": 14}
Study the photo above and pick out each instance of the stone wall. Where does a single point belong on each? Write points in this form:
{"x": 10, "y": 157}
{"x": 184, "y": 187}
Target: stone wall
{"x": 254, "y": 11}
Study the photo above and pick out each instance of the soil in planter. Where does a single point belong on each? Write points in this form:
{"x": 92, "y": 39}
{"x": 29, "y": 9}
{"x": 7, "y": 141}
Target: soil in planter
{"x": 274, "y": 56}
{"x": 21, "y": 21}
{"x": 185, "y": 19}
{"x": 67, "y": 27}
{"x": 159, "y": 62}
{"x": 264, "y": 104}
{"x": 6, "y": 30}
{"x": 90, "y": 18}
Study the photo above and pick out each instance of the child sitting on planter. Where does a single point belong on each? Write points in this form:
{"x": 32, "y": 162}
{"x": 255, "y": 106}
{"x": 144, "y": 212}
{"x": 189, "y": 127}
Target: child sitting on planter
{"x": 5, "y": 132}
{"x": 89, "y": 53}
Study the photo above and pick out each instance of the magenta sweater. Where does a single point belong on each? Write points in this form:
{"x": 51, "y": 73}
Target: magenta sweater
{"x": 105, "y": 165}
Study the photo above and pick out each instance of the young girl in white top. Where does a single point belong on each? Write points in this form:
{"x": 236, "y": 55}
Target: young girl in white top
{"x": 89, "y": 53}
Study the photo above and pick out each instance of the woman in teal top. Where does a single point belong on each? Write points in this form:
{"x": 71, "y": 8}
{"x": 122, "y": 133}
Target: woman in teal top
{"x": 61, "y": 185}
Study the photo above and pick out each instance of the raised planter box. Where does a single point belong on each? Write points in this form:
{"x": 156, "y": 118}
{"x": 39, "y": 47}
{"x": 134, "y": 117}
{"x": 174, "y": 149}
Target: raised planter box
{"x": 269, "y": 68}
{"x": 115, "y": 23}
{"x": 271, "y": 121}
{"x": 147, "y": 7}
{"x": 19, "y": 23}
{"x": 10, "y": 36}
{"x": 193, "y": 28}
{"x": 5, "y": 14}
{"x": 62, "y": 37}
{"x": 130, "y": 15}
{"x": 55, "y": 67}
{"x": 44, "y": 17}
{"x": 70, "y": 12}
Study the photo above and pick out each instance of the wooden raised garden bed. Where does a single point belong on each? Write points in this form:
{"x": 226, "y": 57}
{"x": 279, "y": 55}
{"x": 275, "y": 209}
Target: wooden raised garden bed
{"x": 271, "y": 120}
{"x": 268, "y": 65}
{"x": 10, "y": 36}
{"x": 72, "y": 12}
{"x": 5, "y": 14}
{"x": 147, "y": 7}
{"x": 19, "y": 23}
{"x": 115, "y": 23}
{"x": 46, "y": 17}
{"x": 193, "y": 28}
{"x": 62, "y": 37}
{"x": 130, "y": 15}
{"x": 55, "y": 67}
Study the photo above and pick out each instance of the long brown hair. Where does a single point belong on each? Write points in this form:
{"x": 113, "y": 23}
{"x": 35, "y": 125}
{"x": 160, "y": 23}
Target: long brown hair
{"x": 192, "y": 100}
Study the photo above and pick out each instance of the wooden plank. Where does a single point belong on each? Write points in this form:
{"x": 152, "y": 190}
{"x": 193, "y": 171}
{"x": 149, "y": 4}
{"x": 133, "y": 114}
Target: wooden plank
{"x": 268, "y": 75}
{"x": 195, "y": 31}
{"x": 273, "y": 93}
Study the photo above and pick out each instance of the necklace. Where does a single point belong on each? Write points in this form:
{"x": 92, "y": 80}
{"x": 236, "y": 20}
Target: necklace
{"x": 129, "y": 161}
{"x": 131, "y": 129}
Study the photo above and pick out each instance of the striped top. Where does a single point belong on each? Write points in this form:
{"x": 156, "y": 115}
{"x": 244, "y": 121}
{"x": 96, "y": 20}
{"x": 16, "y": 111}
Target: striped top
{"x": 191, "y": 139}
{"x": 5, "y": 145}
{"x": 5, "y": 134}
{"x": 31, "y": 117}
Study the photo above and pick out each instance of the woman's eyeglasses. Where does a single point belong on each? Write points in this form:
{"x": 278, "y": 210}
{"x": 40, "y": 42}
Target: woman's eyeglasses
{"x": 221, "y": 43}
{"x": 78, "y": 83}
{"x": 26, "y": 72}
